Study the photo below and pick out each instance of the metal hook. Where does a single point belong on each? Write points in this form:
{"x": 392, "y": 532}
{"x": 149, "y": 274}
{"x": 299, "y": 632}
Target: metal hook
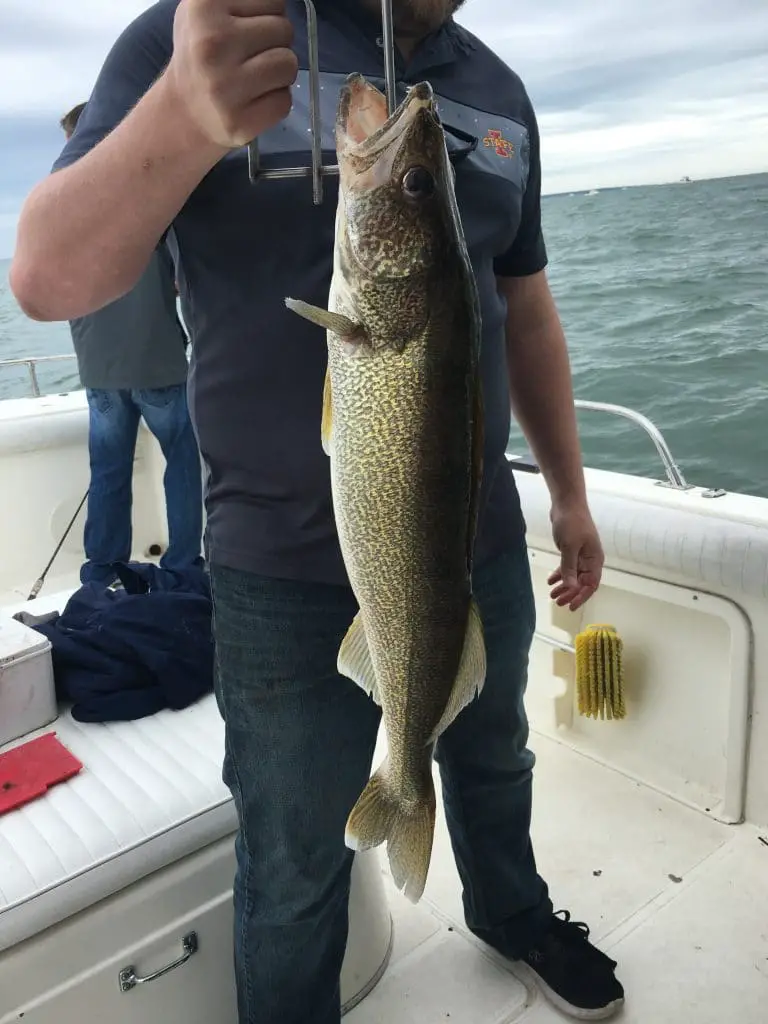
{"x": 318, "y": 169}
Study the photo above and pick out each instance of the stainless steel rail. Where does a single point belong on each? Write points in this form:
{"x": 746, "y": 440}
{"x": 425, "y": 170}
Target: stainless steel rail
{"x": 31, "y": 363}
{"x": 675, "y": 476}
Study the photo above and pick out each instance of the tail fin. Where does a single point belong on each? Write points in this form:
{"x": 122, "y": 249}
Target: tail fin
{"x": 409, "y": 830}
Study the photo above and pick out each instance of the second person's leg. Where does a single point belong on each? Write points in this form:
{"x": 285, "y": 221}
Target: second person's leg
{"x": 166, "y": 414}
{"x": 112, "y": 426}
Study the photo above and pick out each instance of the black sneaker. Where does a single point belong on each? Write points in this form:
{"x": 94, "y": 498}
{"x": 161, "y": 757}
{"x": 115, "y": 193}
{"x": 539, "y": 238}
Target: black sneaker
{"x": 573, "y": 974}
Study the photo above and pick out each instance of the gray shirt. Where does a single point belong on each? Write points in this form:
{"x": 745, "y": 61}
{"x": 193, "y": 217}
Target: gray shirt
{"x": 136, "y": 341}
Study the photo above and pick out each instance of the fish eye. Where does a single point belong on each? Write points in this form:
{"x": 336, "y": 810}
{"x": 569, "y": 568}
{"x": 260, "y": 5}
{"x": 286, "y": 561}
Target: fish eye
{"x": 418, "y": 183}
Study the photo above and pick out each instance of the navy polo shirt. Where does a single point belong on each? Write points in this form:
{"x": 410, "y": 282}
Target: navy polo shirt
{"x": 256, "y": 375}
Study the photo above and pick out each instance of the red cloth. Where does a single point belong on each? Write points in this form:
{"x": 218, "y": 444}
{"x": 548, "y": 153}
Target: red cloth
{"x": 29, "y": 770}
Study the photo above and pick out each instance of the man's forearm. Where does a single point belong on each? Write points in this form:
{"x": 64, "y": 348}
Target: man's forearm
{"x": 87, "y": 232}
{"x": 540, "y": 386}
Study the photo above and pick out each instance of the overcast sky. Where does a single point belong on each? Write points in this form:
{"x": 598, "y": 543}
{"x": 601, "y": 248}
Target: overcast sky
{"x": 627, "y": 91}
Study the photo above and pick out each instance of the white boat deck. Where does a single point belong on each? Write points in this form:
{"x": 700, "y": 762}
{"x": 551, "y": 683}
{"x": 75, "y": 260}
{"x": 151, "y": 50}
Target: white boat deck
{"x": 677, "y": 899}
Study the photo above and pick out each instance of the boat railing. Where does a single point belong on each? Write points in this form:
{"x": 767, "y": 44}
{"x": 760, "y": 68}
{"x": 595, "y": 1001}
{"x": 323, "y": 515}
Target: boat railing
{"x": 31, "y": 363}
{"x": 674, "y": 474}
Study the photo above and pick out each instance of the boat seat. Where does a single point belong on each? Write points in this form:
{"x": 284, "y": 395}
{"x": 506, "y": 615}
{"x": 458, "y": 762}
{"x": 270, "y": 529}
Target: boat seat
{"x": 150, "y": 792}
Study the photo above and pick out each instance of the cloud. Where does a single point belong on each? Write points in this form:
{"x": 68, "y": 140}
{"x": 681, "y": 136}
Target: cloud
{"x": 638, "y": 91}
{"x": 626, "y": 91}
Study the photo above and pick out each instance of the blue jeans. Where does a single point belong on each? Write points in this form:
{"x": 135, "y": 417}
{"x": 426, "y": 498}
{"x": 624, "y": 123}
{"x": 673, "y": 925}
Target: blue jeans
{"x": 113, "y": 428}
{"x": 299, "y": 746}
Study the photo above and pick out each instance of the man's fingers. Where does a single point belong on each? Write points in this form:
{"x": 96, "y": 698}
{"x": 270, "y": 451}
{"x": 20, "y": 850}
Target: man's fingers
{"x": 573, "y": 591}
{"x": 584, "y": 594}
{"x": 232, "y": 67}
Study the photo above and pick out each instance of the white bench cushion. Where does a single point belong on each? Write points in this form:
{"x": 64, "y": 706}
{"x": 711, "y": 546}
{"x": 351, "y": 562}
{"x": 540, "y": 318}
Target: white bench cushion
{"x": 150, "y": 792}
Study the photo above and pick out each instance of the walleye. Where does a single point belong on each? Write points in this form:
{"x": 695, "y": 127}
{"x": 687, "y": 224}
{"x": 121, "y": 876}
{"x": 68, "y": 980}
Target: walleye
{"x": 402, "y": 424}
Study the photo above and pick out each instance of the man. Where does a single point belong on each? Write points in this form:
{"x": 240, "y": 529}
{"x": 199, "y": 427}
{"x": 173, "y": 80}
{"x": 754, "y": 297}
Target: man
{"x": 299, "y": 737}
{"x": 131, "y": 355}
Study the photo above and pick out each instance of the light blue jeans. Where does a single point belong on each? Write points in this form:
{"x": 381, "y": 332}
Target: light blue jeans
{"x": 299, "y": 744}
{"x": 113, "y": 428}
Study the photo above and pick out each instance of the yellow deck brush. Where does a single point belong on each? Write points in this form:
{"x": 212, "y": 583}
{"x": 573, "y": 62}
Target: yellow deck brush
{"x": 600, "y": 672}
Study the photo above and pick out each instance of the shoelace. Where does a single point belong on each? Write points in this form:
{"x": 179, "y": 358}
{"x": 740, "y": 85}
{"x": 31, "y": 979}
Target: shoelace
{"x": 573, "y": 934}
{"x": 564, "y": 935}
{"x": 569, "y": 928}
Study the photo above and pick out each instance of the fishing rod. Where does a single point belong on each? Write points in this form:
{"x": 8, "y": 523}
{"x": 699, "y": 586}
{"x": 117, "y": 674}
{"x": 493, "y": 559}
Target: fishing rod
{"x": 318, "y": 170}
{"x": 41, "y": 578}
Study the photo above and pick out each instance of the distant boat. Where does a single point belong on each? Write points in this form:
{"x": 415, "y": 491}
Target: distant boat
{"x": 685, "y": 180}
{"x": 594, "y": 192}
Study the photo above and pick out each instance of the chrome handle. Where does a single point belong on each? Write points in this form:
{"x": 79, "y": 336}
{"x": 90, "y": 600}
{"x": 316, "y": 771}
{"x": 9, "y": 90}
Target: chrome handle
{"x": 129, "y": 979}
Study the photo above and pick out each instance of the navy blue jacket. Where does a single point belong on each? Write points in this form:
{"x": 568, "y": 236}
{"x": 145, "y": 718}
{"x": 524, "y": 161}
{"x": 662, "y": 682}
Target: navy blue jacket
{"x": 127, "y": 653}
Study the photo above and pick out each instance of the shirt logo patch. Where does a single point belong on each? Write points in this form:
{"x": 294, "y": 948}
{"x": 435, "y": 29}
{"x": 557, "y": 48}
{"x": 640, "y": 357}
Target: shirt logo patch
{"x": 496, "y": 141}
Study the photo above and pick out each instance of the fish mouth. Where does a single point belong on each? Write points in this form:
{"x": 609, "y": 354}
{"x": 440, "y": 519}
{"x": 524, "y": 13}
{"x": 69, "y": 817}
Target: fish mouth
{"x": 363, "y": 126}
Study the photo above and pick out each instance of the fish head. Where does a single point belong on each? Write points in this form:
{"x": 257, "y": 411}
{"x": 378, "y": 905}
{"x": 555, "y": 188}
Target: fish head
{"x": 397, "y": 214}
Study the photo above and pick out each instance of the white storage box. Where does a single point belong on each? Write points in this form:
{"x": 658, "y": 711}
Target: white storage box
{"x": 27, "y": 692}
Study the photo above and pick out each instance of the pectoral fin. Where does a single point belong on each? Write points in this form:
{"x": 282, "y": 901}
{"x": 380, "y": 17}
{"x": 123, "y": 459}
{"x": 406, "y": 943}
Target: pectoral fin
{"x": 354, "y": 660}
{"x": 471, "y": 675}
{"x": 326, "y": 422}
{"x": 337, "y": 323}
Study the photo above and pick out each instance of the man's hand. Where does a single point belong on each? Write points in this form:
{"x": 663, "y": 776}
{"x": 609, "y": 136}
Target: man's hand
{"x": 232, "y": 67}
{"x": 581, "y": 556}
{"x": 542, "y": 399}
